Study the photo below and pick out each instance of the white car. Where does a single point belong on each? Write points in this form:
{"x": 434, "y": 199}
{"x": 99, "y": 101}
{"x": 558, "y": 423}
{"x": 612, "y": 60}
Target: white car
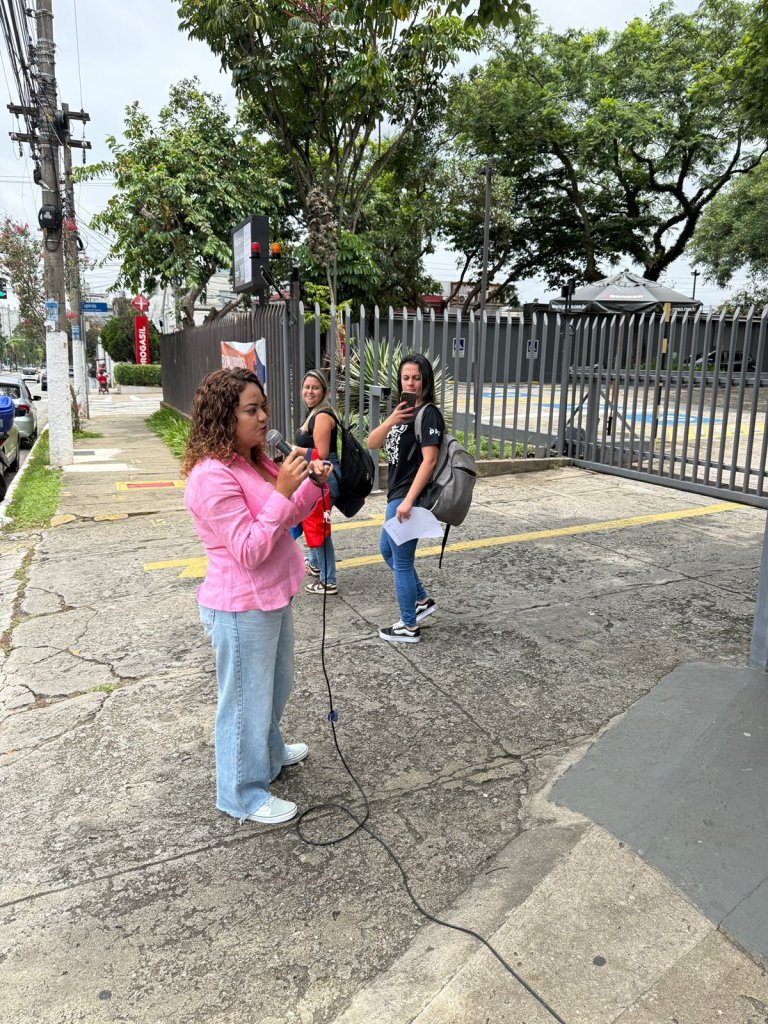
{"x": 29, "y": 373}
{"x": 26, "y": 414}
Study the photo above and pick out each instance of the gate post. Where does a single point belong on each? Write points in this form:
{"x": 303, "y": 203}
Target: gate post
{"x": 758, "y": 651}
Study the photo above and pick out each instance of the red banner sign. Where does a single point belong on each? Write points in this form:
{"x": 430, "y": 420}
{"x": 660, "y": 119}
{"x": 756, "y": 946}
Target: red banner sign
{"x": 141, "y": 334}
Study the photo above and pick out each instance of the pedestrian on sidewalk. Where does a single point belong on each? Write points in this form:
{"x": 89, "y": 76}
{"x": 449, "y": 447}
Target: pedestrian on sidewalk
{"x": 243, "y": 507}
{"x": 317, "y": 437}
{"x": 411, "y": 465}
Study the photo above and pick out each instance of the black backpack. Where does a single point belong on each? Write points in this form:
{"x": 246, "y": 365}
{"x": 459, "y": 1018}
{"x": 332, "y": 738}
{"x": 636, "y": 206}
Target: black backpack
{"x": 357, "y": 470}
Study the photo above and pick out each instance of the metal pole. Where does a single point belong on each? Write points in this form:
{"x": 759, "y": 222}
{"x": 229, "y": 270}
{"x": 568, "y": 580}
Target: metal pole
{"x": 479, "y": 347}
{"x": 79, "y": 360}
{"x": 758, "y": 651}
{"x": 57, "y": 357}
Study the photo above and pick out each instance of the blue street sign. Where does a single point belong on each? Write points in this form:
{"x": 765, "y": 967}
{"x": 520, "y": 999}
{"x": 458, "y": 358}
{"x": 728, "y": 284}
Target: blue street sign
{"x": 51, "y": 307}
{"x": 94, "y": 307}
{"x": 75, "y": 332}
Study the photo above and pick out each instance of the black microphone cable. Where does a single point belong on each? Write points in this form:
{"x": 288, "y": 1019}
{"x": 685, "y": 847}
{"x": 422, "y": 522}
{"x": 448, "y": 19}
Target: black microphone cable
{"x": 316, "y": 810}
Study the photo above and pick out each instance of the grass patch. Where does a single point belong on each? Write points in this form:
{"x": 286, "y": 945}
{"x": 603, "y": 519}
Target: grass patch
{"x": 521, "y": 450}
{"x": 104, "y": 688}
{"x": 36, "y": 498}
{"x": 172, "y": 428}
{"x": 85, "y": 435}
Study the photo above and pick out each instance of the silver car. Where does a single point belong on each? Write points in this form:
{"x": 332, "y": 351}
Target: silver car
{"x": 26, "y": 414}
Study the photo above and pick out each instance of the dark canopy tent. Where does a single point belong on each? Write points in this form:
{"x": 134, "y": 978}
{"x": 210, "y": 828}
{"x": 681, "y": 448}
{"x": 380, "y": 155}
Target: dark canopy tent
{"x": 624, "y": 293}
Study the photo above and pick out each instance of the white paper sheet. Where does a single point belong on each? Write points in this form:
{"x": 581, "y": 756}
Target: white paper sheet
{"x": 420, "y": 523}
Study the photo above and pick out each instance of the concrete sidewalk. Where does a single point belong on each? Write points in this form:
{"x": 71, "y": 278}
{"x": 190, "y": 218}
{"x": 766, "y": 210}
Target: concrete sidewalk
{"x": 562, "y": 764}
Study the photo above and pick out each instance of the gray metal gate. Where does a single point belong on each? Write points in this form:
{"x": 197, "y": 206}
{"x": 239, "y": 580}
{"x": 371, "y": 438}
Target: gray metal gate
{"x": 678, "y": 401}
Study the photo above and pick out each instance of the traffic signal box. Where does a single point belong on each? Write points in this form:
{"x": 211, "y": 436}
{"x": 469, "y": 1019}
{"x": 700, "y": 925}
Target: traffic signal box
{"x": 3, "y": 288}
{"x": 259, "y": 251}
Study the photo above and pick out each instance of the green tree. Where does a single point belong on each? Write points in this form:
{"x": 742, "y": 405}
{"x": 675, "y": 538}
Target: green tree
{"x": 181, "y": 186}
{"x": 325, "y": 77}
{"x": 21, "y": 261}
{"x": 610, "y": 145}
{"x": 732, "y": 236}
{"x": 119, "y": 339}
{"x": 383, "y": 262}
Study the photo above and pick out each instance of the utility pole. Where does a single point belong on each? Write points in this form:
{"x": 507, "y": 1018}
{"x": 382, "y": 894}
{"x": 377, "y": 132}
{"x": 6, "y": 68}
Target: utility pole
{"x": 48, "y": 127}
{"x": 57, "y": 357}
{"x": 72, "y": 244}
{"x": 695, "y": 275}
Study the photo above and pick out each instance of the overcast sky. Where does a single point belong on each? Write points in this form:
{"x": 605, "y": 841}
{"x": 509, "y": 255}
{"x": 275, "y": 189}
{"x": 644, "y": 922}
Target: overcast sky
{"x": 109, "y": 54}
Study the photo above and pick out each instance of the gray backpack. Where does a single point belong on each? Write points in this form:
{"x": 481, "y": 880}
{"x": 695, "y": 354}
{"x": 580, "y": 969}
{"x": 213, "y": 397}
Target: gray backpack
{"x": 448, "y": 494}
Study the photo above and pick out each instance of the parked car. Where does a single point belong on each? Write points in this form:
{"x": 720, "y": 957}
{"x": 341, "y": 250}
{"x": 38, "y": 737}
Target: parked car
{"x": 725, "y": 355}
{"x": 43, "y": 380}
{"x": 29, "y": 373}
{"x": 9, "y": 457}
{"x": 26, "y": 414}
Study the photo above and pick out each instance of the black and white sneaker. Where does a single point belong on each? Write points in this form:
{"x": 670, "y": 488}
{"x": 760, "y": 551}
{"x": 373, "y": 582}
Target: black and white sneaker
{"x": 425, "y": 608}
{"x": 400, "y": 633}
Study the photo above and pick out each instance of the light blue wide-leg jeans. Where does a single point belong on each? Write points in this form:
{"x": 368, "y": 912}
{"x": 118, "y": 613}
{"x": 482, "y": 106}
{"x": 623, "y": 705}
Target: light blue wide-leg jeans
{"x": 400, "y": 559}
{"x": 254, "y": 671}
{"x": 323, "y": 557}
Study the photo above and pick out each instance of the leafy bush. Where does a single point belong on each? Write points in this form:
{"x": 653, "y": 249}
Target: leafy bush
{"x": 172, "y": 428}
{"x": 149, "y": 375}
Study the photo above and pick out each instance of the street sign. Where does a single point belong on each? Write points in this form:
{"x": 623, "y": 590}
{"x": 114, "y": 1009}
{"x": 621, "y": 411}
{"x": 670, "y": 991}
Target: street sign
{"x": 51, "y": 308}
{"x": 140, "y": 303}
{"x": 141, "y": 338}
{"x": 94, "y": 307}
{"x": 75, "y": 332}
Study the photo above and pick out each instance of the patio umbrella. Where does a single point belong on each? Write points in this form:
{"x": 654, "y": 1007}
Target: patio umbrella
{"x": 624, "y": 293}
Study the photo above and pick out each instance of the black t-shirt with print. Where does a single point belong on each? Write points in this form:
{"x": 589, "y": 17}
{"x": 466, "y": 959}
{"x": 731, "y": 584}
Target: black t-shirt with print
{"x": 403, "y": 454}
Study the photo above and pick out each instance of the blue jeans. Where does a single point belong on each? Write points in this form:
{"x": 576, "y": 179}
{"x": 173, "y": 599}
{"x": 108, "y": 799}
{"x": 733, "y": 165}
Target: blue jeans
{"x": 254, "y": 672}
{"x": 323, "y": 558}
{"x": 400, "y": 559}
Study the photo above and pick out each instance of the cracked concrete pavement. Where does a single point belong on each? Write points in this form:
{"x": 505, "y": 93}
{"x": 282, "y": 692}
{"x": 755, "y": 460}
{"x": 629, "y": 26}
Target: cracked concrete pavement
{"x": 126, "y": 897}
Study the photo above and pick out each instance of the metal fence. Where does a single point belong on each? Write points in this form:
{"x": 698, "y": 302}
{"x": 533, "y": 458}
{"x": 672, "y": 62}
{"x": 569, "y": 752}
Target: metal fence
{"x": 678, "y": 400}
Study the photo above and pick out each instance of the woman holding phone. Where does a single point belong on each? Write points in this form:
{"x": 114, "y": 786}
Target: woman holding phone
{"x": 410, "y": 469}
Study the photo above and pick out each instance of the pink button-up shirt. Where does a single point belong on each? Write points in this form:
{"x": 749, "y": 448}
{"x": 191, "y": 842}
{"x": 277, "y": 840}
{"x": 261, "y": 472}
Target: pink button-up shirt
{"x": 243, "y": 523}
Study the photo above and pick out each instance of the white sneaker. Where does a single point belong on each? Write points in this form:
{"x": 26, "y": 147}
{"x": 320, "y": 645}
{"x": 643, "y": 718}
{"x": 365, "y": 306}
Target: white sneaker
{"x": 294, "y": 752}
{"x": 273, "y": 812}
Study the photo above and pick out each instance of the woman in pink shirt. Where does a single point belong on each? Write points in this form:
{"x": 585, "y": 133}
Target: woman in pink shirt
{"x": 243, "y": 507}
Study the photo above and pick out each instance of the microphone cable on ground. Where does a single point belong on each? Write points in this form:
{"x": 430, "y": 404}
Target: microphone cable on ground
{"x": 360, "y": 822}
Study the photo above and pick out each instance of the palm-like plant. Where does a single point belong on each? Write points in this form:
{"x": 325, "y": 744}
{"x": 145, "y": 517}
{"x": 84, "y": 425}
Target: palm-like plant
{"x": 371, "y": 364}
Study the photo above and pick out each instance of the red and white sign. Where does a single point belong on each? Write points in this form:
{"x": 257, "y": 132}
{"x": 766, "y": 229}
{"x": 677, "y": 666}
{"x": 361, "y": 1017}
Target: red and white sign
{"x": 141, "y": 334}
{"x": 140, "y": 303}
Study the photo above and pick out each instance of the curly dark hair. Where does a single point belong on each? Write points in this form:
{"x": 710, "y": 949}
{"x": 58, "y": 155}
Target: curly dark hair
{"x": 213, "y": 428}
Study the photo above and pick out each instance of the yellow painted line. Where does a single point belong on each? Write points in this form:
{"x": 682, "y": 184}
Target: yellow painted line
{"x": 148, "y": 485}
{"x": 355, "y": 524}
{"x": 194, "y": 568}
{"x": 565, "y": 531}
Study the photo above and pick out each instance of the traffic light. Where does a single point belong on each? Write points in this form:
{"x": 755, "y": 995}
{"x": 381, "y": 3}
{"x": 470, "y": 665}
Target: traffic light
{"x": 3, "y": 288}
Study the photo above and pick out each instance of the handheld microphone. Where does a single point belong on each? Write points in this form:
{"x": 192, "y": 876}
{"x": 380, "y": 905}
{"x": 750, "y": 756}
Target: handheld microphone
{"x": 275, "y": 438}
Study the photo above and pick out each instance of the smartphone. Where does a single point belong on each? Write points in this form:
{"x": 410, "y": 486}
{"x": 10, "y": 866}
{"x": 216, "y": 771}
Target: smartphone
{"x": 409, "y": 399}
